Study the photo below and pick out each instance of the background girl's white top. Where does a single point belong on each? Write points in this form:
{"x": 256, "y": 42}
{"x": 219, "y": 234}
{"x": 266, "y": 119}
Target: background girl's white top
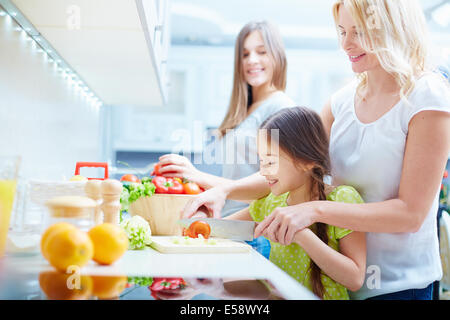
{"x": 369, "y": 157}
{"x": 238, "y": 151}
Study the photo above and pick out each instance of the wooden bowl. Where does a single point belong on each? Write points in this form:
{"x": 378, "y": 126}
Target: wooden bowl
{"x": 162, "y": 211}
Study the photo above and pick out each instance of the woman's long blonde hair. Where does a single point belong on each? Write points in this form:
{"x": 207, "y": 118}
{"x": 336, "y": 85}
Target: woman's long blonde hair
{"x": 396, "y": 32}
{"x": 241, "y": 95}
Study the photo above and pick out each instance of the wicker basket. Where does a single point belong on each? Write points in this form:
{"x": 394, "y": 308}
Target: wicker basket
{"x": 162, "y": 211}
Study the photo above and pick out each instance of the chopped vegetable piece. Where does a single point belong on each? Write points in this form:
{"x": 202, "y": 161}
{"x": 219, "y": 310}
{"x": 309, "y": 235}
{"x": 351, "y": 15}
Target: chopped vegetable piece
{"x": 199, "y": 228}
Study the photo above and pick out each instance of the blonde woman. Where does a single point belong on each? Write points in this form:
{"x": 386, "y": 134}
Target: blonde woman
{"x": 390, "y": 139}
{"x": 259, "y": 83}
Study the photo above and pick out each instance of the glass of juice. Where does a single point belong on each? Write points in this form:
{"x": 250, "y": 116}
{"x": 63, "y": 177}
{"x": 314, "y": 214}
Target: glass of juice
{"x": 9, "y": 170}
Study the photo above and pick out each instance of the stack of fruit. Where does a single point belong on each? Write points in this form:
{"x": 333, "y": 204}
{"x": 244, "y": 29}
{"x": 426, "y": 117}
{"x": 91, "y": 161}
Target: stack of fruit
{"x": 135, "y": 188}
{"x": 64, "y": 246}
{"x": 163, "y": 184}
{"x": 173, "y": 185}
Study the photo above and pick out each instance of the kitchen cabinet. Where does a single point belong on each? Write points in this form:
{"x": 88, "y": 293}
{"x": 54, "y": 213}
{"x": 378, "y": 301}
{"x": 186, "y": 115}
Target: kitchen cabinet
{"x": 154, "y": 16}
{"x": 117, "y": 48}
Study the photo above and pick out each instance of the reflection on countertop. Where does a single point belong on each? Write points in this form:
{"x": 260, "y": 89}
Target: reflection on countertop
{"x": 54, "y": 285}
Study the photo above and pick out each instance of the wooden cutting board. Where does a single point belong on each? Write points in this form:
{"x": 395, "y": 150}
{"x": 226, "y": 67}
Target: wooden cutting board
{"x": 165, "y": 244}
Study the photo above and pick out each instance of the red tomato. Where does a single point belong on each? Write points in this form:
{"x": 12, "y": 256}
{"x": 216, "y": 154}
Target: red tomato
{"x": 199, "y": 227}
{"x": 156, "y": 170}
{"x": 130, "y": 178}
{"x": 191, "y": 188}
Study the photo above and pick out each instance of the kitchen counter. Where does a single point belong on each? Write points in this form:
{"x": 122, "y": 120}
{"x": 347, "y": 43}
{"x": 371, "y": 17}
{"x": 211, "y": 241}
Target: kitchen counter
{"x": 19, "y": 274}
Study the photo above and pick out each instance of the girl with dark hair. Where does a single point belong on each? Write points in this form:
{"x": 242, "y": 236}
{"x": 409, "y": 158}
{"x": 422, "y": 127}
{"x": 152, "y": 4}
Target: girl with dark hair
{"x": 294, "y": 159}
{"x": 259, "y": 83}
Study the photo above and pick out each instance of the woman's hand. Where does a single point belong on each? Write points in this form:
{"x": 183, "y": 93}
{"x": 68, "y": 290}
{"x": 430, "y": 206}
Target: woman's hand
{"x": 174, "y": 165}
{"x": 284, "y": 222}
{"x": 212, "y": 200}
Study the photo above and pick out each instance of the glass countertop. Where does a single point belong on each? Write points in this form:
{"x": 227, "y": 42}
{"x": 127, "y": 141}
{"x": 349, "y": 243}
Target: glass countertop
{"x": 54, "y": 285}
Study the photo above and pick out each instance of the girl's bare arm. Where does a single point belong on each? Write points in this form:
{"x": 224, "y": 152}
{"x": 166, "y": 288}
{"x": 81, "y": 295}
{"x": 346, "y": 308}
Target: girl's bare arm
{"x": 243, "y": 214}
{"x": 346, "y": 267}
{"x": 426, "y": 154}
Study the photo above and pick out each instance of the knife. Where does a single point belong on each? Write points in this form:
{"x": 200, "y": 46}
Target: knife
{"x": 228, "y": 229}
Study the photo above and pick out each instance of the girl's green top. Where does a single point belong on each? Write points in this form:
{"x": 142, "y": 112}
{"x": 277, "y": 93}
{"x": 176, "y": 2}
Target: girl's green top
{"x": 292, "y": 258}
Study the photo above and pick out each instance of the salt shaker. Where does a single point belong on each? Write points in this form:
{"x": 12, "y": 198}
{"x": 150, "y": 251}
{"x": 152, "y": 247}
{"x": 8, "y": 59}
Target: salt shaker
{"x": 93, "y": 191}
{"x": 111, "y": 190}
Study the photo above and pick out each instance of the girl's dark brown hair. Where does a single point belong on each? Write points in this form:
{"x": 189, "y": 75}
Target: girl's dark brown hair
{"x": 302, "y": 136}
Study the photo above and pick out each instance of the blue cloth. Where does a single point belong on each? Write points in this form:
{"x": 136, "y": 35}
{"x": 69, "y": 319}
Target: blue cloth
{"x": 410, "y": 294}
{"x": 262, "y": 245}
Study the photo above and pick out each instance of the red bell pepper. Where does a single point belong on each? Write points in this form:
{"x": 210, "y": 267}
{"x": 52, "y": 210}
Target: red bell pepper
{"x": 176, "y": 186}
{"x": 160, "y": 184}
{"x": 166, "y": 285}
{"x": 167, "y": 185}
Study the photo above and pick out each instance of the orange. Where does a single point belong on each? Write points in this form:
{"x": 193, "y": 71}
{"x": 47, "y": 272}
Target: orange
{"x": 58, "y": 286}
{"x": 54, "y": 228}
{"x": 69, "y": 247}
{"x": 110, "y": 242}
{"x": 108, "y": 287}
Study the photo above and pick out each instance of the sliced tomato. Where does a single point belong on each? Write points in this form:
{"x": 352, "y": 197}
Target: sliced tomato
{"x": 199, "y": 227}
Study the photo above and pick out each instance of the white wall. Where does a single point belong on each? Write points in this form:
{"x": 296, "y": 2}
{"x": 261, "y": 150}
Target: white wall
{"x": 41, "y": 117}
{"x": 200, "y": 92}
{"x": 201, "y": 83}
{"x": 313, "y": 75}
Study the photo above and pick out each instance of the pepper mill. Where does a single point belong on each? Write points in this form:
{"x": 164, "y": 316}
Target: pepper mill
{"x": 92, "y": 190}
{"x": 111, "y": 190}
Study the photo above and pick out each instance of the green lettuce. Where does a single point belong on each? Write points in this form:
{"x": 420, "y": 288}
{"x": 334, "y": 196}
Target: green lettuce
{"x": 132, "y": 191}
{"x": 138, "y": 232}
{"x": 141, "y": 281}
